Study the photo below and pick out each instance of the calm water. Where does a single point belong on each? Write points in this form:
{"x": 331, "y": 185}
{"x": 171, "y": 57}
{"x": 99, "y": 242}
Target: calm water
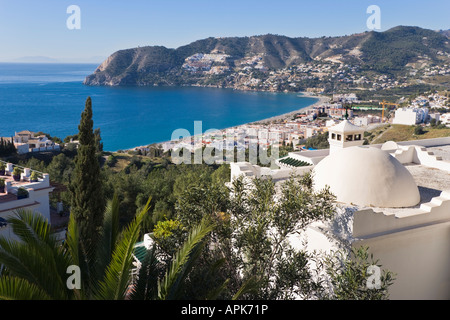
{"x": 51, "y": 97}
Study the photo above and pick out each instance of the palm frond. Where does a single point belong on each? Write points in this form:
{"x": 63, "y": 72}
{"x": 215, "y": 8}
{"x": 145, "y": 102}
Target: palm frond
{"x": 78, "y": 257}
{"x": 169, "y": 287}
{"x": 37, "y": 248}
{"x": 72, "y": 241}
{"x": 212, "y": 273}
{"x": 12, "y": 288}
{"x": 108, "y": 236}
{"x": 31, "y": 227}
{"x": 146, "y": 285}
{"x": 117, "y": 275}
{"x": 249, "y": 286}
{"x": 10, "y": 257}
{"x": 213, "y": 294}
{"x": 27, "y": 263}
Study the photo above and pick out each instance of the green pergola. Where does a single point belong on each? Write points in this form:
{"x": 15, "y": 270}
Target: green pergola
{"x": 140, "y": 252}
{"x": 294, "y": 162}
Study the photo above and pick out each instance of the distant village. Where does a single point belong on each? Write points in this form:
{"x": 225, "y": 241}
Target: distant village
{"x": 244, "y": 74}
{"x": 293, "y": 129}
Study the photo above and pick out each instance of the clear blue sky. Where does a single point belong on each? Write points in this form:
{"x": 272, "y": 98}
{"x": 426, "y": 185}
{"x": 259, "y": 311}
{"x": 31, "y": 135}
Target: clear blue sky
{"x": 38, "y": 27}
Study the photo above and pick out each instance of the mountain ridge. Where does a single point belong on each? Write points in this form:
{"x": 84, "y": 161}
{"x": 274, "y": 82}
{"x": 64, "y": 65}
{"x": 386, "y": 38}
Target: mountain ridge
{"x": 212, "y": 61}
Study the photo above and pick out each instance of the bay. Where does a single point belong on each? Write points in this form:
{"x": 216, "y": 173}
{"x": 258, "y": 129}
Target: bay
{"x": 51, "y": 97}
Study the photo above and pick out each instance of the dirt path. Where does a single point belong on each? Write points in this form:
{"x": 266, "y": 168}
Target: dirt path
{"x": 375, "y": 140}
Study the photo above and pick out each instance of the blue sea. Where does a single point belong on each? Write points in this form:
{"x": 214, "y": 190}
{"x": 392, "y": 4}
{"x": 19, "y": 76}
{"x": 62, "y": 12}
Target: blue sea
{"x": 51, "y": 97}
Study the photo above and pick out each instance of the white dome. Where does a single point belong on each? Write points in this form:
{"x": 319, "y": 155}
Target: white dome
{"x": 367, "y": 176}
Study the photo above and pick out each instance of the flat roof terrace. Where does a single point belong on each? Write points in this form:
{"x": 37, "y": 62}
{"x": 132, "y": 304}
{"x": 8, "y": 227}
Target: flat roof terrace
{"x": 441, "y": 151}
{"x": 430, "y": 181}
{"x": 9, "y": 192}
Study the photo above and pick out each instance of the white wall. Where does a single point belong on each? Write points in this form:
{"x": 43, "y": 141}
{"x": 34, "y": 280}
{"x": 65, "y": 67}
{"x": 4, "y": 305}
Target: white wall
{"x": 282, "y": 174}
{"x": 254, "y": 171}
{"x": 410, "y": 116}
{"x": 311, "y": 156}
{"x": 23, "y": 148}
{"x": 405, "y": 117}
{"x": 420, "y": 155}
{"x": 420, "y": 259}
{"x": 414, "y": 244}
{"x": 445, "y": 118}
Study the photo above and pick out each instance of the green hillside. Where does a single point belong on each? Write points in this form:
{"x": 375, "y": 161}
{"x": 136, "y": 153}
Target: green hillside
{"x": 368, "y": 54}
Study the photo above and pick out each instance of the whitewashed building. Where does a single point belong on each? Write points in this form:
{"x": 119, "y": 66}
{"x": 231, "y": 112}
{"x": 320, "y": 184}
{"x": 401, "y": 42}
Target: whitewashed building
{"x": 445, "y": 118}
{"x": 27, "y": 141}
{"x": 410, "y": 116}
{"x": 393, "y": 198}
{"x": 23, "y": 194}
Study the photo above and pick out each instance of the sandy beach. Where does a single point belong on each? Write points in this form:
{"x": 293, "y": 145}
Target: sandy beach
{"x": 321, "y": 100}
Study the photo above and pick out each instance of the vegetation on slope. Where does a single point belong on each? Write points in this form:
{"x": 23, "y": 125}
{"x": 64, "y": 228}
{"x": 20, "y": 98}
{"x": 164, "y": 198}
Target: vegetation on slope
{"x": 397, "y": 132}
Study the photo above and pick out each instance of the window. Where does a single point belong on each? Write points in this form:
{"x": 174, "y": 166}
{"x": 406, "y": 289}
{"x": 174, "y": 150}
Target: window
{"x": 339, "y": 137}
{"x": 357, "y": 137}
{"x": 349, "y": 138}
{"x": 333, "y": 136}
{"x": 3, "y": 223}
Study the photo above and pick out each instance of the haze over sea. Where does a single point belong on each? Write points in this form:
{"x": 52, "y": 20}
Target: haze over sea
{"x": 51, "y": 97}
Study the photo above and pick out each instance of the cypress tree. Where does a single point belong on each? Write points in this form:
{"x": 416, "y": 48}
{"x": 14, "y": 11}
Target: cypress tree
{"x": 98, "y": 141}
{"x": 2, "y": 147}
{"x": 11, "y": 147}
{"x": 87, "y": 203}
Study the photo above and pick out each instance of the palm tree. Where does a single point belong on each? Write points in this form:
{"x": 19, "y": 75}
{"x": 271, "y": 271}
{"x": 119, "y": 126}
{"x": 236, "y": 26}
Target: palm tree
{"x": 36, "y": 267}
{"x": 149, "y": 287}
{"x": 172, "y": 285}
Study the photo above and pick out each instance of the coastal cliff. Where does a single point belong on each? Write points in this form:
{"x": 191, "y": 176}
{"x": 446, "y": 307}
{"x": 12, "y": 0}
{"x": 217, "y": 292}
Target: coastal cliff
{"x": 250, "y": 62}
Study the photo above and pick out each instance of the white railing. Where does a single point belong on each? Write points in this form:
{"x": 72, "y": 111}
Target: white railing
{"x": 49, "y": 148}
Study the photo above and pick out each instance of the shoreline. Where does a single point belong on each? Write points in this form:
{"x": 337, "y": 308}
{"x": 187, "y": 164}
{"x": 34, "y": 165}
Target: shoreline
{"x": 321, "y": 100}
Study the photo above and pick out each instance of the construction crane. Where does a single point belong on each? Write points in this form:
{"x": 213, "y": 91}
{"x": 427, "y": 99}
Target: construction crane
{"x": 384, "y": 103}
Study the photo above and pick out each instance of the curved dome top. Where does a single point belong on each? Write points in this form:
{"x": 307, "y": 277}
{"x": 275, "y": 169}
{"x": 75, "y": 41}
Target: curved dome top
{"x": 367, "y": 176}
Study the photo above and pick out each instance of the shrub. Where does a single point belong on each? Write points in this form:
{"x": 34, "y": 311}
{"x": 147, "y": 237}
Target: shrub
{"x": 17, "y": 171}
{"x": 34, "y": 176}
{"x": 22, "y": 193}
{"x": 418, "y": 130}
{"x": 165, "y": 229}
{"x": 168, "y": 235}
